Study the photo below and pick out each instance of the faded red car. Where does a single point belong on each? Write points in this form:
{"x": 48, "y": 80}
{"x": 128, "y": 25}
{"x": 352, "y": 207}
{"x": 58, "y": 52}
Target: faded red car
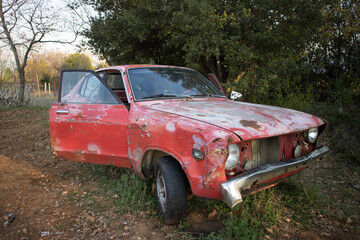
{"x": 174, "y": 125}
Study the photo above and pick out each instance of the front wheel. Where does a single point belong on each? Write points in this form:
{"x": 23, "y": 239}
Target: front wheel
{"x": 170, "y": 190}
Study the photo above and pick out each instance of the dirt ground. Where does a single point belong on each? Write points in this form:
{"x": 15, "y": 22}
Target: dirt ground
{"x": 37, "y": 188}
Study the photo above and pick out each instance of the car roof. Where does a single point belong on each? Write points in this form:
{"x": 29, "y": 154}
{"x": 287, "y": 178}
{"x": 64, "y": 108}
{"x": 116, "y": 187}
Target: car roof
{"x": 123, "y": 68}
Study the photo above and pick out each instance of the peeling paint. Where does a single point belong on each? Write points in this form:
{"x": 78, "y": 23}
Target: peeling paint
{"x": 198, "y": 142}
{"x": 247, "y": 120}
{"x": 93, "y": 147}
{"x": 171, "y": 127}
{"x": 120, "y": 136}
{"x": 249, "y": 123}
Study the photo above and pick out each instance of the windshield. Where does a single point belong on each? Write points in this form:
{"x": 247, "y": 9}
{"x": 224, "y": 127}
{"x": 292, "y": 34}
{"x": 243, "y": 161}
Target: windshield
{"x": 150, "y": 83}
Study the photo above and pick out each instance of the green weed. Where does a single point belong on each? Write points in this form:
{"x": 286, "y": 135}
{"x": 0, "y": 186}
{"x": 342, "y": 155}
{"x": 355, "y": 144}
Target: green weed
{"x": 132, "y": 192}
{"x": 301, "y": 199}
{"x": 250, "y": 219}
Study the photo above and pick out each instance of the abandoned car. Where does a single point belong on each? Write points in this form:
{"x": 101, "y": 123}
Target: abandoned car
{"x": 178, "y": 127}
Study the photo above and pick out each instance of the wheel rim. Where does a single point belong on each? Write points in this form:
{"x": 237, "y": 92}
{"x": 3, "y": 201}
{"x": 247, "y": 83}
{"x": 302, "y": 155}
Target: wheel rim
{"x": 161, "y": 190}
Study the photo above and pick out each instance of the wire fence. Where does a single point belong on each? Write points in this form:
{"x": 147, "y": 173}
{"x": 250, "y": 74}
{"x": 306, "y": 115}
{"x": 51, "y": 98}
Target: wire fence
{"x": 9, "y": 94}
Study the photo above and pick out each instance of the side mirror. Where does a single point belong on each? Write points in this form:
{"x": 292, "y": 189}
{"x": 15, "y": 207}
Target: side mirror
{"x": 236, "y": 96}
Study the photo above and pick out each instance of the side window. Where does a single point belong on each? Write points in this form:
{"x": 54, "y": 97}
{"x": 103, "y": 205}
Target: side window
{"x": 101, "y": 74}
{"x": 114, "y": 80}
{"x": 84, "y": 87}
{"x": 91, "y": 87}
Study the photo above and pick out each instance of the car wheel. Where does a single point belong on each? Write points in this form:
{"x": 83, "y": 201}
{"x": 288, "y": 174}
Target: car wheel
{"x": 171, "y": 191}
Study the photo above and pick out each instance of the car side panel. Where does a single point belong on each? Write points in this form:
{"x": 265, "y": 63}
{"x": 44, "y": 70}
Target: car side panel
{"x": 93, "y": 133}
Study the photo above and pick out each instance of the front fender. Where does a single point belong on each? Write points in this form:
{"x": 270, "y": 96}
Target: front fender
{"x": 178, "y": 136}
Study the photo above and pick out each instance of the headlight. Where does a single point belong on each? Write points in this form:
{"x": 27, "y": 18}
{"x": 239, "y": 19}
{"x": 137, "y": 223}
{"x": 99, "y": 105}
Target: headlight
{"x": 313, "y": 134}
{"x": 234, "y": 154}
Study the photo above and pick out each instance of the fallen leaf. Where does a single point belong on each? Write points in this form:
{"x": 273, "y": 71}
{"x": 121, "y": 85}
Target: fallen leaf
{"x": 90, "y": 219}
{"x": 212, "y": 214}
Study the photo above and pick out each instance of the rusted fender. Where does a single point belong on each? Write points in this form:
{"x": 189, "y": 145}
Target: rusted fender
{"x": 178, "y": 136}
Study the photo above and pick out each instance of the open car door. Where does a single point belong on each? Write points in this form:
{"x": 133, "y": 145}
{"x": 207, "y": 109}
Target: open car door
{"x": 89, "y": 122}
{"x": 215, "y": 81}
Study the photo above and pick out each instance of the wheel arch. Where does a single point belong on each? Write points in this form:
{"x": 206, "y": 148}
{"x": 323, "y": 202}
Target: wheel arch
{"x": 149, "y": 159}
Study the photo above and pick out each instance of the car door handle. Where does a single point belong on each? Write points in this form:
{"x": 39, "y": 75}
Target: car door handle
{"x": 61, "y": 111}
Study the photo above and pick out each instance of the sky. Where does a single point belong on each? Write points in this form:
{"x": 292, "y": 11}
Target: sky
{"x": 63, "y": 36}
{"x": 67, "y": 36}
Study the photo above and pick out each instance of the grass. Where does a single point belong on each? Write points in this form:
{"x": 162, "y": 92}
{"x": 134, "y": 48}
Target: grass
{"x": 33, "y": 108}
{"x": 132, "y": 193}
{"x": 249, "y": 220}
{"x": 300, "y": 199}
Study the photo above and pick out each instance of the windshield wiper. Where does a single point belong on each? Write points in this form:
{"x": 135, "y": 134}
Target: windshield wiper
{"x": 209, "y": 95}
{"x": 167, "y": 95}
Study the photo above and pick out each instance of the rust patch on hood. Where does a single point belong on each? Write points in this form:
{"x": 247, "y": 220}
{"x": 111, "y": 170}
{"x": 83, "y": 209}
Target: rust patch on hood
{"x": 230, "y": 139}
{"x": 250, "y": 123}
{"x": 216, "y": 140}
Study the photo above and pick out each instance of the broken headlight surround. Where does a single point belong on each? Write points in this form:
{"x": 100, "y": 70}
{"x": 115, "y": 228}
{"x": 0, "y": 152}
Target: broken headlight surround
{"x": 233, "y": 158}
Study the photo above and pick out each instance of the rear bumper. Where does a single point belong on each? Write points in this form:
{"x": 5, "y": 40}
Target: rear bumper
{"x": 231, "y": 190}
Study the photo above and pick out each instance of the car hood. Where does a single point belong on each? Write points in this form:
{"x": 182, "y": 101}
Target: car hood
{"x": 247, "y": 120}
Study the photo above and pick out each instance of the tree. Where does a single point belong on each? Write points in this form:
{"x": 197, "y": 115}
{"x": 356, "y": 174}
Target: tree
{"x": 43, "y": 63}
{"x": 77, "y": 60}
{"x": 210, "y": 35}
{"x": 133, "y": 31}
{"x": 265, "y": 49}
{"x": 8, "y": 75}
{"x": 3, "y": 65}
{"x": 335, "y": 56}
{"x": 25, "y": 24}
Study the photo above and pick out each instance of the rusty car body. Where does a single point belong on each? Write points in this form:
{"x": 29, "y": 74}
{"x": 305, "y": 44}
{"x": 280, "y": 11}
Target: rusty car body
{"x": 172, "y": 124}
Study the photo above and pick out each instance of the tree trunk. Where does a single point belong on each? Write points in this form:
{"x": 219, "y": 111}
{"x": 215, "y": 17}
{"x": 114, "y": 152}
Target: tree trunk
{"x": 37, "y": 81}
{"x": 54, "y": 88}
{"x": 22, "y": 87}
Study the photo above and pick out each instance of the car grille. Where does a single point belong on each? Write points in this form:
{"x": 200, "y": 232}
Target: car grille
{"x": 266, "y": 150}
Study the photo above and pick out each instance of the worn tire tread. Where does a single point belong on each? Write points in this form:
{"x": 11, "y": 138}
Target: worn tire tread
{"x": 175, "y": 189}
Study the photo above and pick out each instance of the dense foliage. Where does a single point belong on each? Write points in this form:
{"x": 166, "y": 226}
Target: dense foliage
{"x": 77, "y": 60}
{"x": 287, "y": 53}
{"x": 266, "y": 49}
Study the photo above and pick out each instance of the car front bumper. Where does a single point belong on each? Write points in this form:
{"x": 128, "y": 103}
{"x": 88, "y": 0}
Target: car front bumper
{"x": 231, "y": 190}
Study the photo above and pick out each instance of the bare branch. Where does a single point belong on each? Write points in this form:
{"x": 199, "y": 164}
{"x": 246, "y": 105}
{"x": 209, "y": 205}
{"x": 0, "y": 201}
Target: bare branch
{"x": 26, "y": 24}
{"x": 17, "y": 4}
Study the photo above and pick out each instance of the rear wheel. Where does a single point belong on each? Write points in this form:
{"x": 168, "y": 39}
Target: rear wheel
{"x": 170, "y": 190}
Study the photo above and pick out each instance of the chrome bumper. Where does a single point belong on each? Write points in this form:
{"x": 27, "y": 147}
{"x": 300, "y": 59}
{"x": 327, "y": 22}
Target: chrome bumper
{"x": 231, "y": 190}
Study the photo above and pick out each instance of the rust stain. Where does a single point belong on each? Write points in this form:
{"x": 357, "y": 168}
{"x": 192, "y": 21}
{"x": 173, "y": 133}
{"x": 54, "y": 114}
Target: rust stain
{"x": 201, "y": 115}
{"x": 216, "y": 140}
{"x": 209, "y": 177}
{"x": 250, "y": 123}
{"x": 230, "y": 139}
{"x": 79, "y": 155}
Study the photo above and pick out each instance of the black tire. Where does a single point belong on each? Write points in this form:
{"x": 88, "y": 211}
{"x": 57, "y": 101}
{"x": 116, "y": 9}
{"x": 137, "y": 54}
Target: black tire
{"x": 171, "y": 190}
